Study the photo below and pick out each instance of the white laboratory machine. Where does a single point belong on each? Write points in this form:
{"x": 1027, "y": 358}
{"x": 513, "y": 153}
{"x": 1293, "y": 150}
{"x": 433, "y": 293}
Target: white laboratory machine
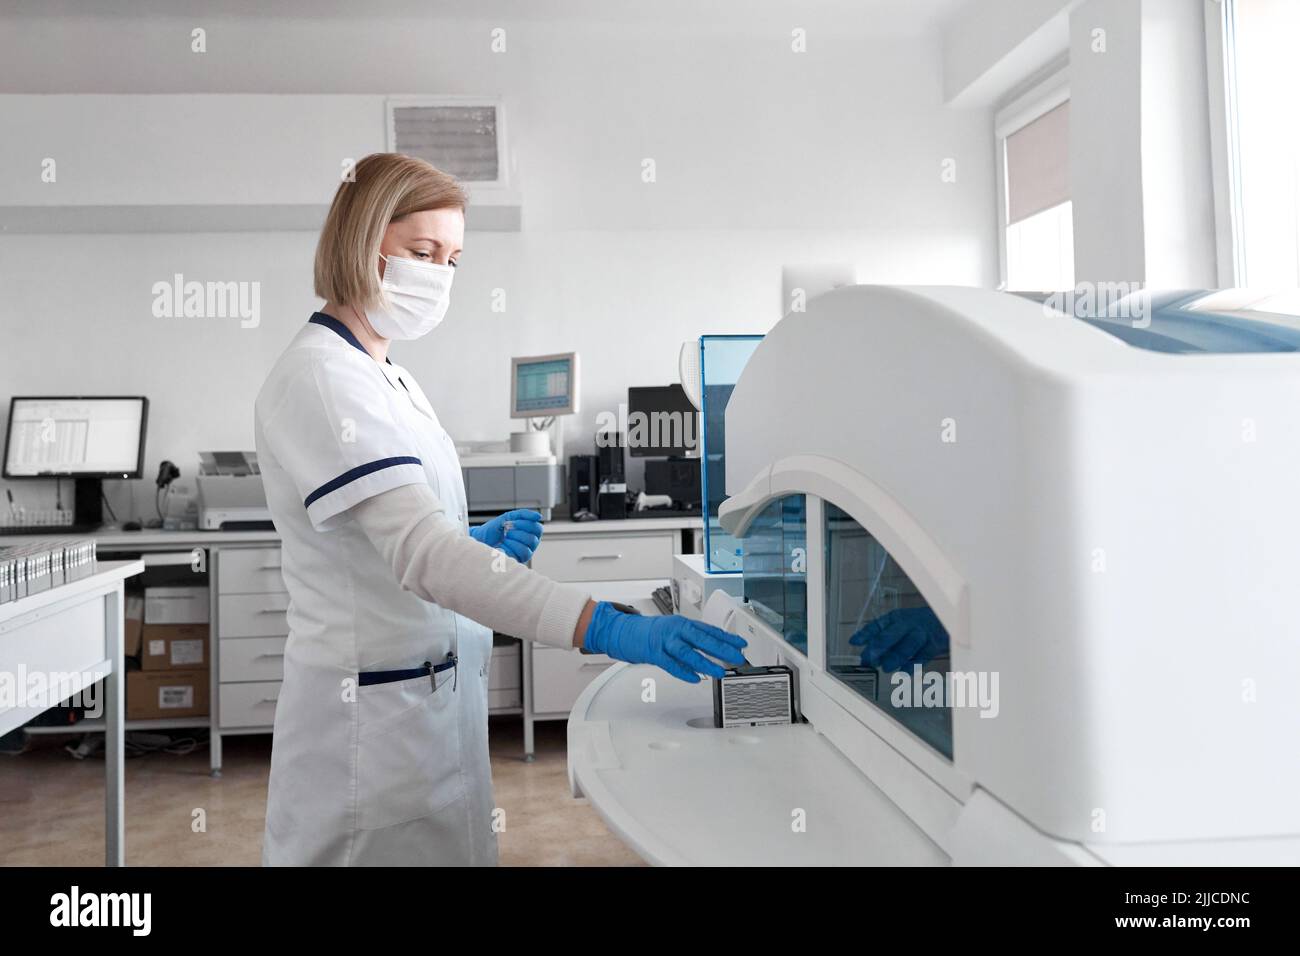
{"x": 526, "y": 472}
{"x": 1083, "y": 533}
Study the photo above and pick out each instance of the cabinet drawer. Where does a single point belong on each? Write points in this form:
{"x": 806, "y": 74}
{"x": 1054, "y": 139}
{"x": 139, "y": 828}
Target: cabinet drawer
{"x": 248, "y": 705}
{"x": 507, "y": 698}
{"x": 252, "y": 658}
{"x": 252, "y": 615}
{"x": 505, "y": 671}
{"x": 605, "y": 557}
{"x": 249, "y": 571}
{"x": 560, "y": 675}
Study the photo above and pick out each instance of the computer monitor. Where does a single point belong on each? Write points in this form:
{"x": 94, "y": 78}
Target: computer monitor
{"x": 544, "y": 385}
{"x": 661, "y": 422}
{"x": 88, "y": 438}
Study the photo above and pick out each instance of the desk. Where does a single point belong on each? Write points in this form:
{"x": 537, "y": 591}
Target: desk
{"x": 70, "y": 637}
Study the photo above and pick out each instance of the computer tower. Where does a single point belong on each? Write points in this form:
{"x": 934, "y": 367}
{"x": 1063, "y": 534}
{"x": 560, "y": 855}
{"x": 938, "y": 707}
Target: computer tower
{"x": 584, "y": 484}
{"x": 609, "y": 449}
{"x": 612, "y": 472}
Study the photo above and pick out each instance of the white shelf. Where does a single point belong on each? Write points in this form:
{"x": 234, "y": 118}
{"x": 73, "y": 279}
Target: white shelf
{"x": 96, "y": 726}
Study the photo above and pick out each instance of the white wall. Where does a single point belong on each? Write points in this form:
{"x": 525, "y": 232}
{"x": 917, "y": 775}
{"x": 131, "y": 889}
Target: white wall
{"x": 1140, "y": 173}
{"x": 1106, "y": 142}
{"x": 991, "y": 47}
{"x": 765, "y": 157}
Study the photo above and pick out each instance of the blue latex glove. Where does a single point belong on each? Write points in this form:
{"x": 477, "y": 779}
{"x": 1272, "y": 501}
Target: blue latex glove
{"x": 901, "y": 638}
{"x": 517, "y": 533}
{"x": 670, "y": 641}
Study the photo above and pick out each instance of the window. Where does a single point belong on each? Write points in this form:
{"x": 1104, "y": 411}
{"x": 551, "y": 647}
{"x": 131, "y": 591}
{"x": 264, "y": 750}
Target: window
{"x": 775, "y": 569}
{"x": 882, "y": 639}
{"x": 1264, "y": 136}
{"x": 1035, "y": 213}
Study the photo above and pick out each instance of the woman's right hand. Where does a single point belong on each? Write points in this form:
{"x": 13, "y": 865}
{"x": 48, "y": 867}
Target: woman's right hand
{"x": 674, "y": 643}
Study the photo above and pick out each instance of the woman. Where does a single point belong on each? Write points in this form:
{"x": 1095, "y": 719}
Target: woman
{"x": 380, "y": 753}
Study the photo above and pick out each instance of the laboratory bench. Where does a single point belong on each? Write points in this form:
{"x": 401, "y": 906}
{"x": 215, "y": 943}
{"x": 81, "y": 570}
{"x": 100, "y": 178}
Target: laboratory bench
{"x": 623, "y": 560}
{"x": 73, "y": 633}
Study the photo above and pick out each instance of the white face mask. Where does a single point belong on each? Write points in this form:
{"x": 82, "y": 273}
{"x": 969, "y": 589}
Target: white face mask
{"x": 414, "y": 299}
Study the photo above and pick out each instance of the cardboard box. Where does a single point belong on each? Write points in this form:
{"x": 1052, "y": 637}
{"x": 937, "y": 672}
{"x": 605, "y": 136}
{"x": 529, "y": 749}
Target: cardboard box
{"x": 176, "y": 605}
{"x": 133, "y": 614}
{"x": 174, "y": 647}
{"x": 152, "y": 695}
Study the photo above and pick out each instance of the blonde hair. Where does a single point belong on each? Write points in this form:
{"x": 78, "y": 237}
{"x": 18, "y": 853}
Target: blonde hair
{"x": 386, "y": 187}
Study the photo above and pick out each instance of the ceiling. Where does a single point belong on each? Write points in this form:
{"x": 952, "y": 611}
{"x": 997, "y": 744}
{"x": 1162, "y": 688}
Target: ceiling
{"x": 885, "y": 17}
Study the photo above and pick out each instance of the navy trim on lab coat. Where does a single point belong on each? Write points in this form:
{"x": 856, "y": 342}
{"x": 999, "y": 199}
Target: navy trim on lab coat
{"x": 352, "y": 474}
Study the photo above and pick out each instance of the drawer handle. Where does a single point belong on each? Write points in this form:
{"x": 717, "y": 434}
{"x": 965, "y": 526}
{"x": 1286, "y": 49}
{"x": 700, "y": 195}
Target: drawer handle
{"x": 597, "y": 666}
{"x": 273, "y": 610}
{"x": 260, "y": 656}
{"x": 268, "y": 700}
{"x": 600, "y": 557}
{"x": 271, "y": 567}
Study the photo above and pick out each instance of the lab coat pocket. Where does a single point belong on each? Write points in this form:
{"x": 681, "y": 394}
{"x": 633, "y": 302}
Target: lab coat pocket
{"x": 408, "y": 751}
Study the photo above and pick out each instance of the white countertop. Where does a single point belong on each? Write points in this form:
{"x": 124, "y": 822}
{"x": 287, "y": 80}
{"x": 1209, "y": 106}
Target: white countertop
{"x": 106, "y": 572}
{"x": 681, "y": 792}
{"x": 153, "y": 538}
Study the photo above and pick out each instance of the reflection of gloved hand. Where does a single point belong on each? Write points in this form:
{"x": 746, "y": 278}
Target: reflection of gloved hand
{"x": 901, "y": 638}
{"x": 517, "y": 533}
{"x": 671, "y": 642}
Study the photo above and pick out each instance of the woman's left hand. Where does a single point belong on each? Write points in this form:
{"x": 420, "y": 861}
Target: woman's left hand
{"x": 517, "y": 533}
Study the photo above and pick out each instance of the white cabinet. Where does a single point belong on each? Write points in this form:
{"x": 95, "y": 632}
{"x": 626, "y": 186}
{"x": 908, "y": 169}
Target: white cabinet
{"x": 243, "y": 706}
{"x": 560, "y": 675}
{"x": 607, "y": 557}
{"x": 251, "y": 630}
{"x": 618, "y": 561}
{"x": 252, "y": 615}
{"x": 251, "y": 571}
{"x": 252, "y": 659}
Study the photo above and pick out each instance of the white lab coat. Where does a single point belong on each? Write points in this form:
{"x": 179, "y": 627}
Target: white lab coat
{"x": 392, "y": 773}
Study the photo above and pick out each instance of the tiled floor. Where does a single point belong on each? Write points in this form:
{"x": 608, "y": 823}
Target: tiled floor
{"x": 52, "y": 806}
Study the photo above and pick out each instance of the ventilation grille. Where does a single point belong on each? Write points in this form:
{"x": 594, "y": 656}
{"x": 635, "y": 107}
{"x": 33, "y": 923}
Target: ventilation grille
{"x": 460, "y": 140}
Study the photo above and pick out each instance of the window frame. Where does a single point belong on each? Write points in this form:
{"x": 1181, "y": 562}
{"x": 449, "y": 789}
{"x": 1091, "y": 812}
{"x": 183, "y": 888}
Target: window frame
{"x": 1041, "y": 98}
{"x": 1225, "y": 143}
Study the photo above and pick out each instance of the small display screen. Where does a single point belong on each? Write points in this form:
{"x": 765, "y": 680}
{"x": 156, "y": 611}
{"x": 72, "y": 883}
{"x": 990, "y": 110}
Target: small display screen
{"x": 74, "y": 436}
{"x": 542, "y": 387}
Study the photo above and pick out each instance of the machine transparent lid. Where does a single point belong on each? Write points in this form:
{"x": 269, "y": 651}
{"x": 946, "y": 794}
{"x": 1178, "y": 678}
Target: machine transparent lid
{"x": 1232, "y": 320}
{"x": 722, "y": 359}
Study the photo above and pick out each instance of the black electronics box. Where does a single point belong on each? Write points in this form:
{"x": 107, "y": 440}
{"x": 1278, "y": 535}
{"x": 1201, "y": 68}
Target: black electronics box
{"x": 678, "y": 478}
{"x": 584, "y": 484}
{"x": 611, "y": 498}
{"x": 612, "y": 505}
{"x": 609, "y": 449}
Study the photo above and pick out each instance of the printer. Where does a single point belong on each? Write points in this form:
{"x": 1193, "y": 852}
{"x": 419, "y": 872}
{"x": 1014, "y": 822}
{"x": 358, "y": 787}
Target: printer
{"x": 497, "y": 481}
{"x": 231, "y": 496}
